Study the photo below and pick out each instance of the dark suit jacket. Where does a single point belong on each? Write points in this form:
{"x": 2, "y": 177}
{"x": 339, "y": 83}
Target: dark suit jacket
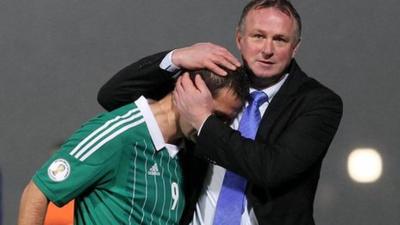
{"x": 282, "y": 165}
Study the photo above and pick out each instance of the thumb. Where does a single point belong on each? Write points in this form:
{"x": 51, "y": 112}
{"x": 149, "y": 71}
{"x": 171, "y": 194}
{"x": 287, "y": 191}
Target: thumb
{"x": 200, "y": 84}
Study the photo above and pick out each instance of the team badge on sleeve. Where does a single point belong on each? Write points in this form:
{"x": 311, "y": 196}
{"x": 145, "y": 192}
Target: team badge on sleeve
{"x": 59, "y": 170}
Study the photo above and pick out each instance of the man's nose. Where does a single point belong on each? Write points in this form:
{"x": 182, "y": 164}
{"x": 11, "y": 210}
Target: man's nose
{"x": 268, "y": 48}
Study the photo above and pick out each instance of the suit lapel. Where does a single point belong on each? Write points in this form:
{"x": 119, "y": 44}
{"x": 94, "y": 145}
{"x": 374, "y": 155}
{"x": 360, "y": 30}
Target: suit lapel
{"x": 282, "y": 99}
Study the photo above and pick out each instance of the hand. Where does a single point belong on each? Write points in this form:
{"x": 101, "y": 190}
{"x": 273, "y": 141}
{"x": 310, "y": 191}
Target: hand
{"x": 194, "y": 103}
{"x": 205, "y": 55}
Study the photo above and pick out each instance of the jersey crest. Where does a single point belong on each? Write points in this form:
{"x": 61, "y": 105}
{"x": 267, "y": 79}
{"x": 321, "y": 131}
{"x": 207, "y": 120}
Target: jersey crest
{"x": 59, "y": 170}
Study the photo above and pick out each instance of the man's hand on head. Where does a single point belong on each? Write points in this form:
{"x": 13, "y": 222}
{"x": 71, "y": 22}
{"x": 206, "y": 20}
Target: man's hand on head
{"x": 205, "y": 55}
{"x": 193, "y": 101}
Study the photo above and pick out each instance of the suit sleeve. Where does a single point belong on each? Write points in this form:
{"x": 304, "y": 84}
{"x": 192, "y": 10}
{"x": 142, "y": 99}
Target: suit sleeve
{"x": 143, "y": 77}
{"x": 301, "y": 143}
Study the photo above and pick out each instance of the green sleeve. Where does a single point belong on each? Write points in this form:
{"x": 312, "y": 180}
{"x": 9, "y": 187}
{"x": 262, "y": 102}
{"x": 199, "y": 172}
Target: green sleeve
{"x": 64, "y": 176}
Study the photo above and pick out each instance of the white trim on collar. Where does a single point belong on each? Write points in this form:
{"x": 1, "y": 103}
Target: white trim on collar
{"x": 154, "y": 129}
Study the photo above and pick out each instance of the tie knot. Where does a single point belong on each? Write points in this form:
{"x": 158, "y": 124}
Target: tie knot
{"x": 258, "y": 98}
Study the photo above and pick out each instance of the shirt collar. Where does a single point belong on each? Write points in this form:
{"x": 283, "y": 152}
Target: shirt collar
{"x": 272, "y": 90}
{"x": 154, "y": 129}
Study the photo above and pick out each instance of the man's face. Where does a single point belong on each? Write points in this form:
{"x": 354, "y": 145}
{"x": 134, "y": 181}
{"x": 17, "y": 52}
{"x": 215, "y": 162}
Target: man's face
{"x": 226, "y": 107}
{"x": 267, "y": 41}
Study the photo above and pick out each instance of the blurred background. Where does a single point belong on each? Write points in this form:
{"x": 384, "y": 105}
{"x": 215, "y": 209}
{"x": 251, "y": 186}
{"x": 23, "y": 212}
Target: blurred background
{"x": 55, "y": 55}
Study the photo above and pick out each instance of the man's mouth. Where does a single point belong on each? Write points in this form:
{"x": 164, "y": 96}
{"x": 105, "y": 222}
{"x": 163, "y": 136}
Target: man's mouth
{"x": 266, "y": 62}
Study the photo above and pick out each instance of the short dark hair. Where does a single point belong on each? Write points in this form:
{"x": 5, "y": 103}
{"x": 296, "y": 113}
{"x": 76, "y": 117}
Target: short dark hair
{"x": 235, "y": 80}
{"x": 283, "y": 5}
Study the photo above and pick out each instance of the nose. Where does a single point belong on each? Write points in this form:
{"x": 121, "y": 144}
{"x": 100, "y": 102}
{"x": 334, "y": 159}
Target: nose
{"x": 268, "y": 48}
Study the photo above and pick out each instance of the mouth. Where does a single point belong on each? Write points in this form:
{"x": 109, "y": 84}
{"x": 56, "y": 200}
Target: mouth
{"x": 266, "y": 62}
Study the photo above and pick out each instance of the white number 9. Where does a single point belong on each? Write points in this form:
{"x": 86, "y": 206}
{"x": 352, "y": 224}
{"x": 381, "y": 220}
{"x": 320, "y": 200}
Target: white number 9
{"x": 175, "y": 195}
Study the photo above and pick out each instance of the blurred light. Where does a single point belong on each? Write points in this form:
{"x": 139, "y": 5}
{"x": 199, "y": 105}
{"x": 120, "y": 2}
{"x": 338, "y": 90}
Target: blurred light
{"x": 364, "y": 165}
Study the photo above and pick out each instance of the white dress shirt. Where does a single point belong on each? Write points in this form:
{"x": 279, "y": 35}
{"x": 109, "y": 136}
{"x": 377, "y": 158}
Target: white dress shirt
{"x": 207, "y": 203}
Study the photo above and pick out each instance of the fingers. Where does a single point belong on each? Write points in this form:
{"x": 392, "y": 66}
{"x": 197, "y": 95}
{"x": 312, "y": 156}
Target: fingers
{"x": 205, "y": 55}
{"x": 178, "y": 85}
{"x": 187, "y": 84}
{"x": 193, "y": 100}
{"x": 176, "y": 99}
{"x": 215, "y": 68}
{"x": 229, "y": 58}
{"x": 201, "y": 85}
{"x": 220, "y": 59}
{"x": 177, "y": 93}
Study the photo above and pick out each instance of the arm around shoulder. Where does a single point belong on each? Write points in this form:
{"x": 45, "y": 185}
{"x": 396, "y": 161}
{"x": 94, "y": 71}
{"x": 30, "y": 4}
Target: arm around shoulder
{"x": 144, "y": 77}
{"x": 33, "y": 206}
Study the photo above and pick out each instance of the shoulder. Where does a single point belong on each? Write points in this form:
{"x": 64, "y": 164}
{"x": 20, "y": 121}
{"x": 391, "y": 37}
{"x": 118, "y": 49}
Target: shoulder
{"x": 313, "y": 87}
{"x": 310, "y": 94}
{"x": 309, "y": 86}
{"x": 319, "y": 99}
{"x": 105, "y": 135}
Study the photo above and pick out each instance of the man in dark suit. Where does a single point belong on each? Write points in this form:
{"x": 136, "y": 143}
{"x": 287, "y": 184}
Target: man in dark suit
{"x": 281, "y": 163}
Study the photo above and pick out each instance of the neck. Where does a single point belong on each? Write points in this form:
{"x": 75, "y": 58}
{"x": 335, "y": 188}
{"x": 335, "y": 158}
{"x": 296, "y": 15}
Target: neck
{"x": 167, "y": 118}
{"x": 263, "y": 82}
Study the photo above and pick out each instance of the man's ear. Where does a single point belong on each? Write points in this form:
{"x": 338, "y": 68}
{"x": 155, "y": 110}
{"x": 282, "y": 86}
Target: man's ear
{"x": 296, "y": 47}
{"x": 238, "y": 38}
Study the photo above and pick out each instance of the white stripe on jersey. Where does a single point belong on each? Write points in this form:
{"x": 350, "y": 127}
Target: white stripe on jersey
{"x": 106, "y": 132}
{"x": 145, "y": 179}
{"x": 155, "y": 182}
{"x": 83, "y": 146}
{"x": 134, "y": 184}
{"x": 170, "y": 181}
{"x": 113, "y": 135}
{"x": 129, "y": 113}
{"x": 177, "y": 204}
{"x": 164, "y": 191}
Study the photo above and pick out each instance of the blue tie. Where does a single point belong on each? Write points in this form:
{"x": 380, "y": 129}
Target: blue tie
{"x": 230, "y": 202}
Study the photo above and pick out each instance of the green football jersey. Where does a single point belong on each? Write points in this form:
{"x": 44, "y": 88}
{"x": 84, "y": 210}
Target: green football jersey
{"x": 118, "y": 169}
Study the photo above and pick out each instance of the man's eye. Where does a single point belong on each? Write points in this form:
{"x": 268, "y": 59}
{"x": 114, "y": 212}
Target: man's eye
{"x": 258, "y": 36}
{"x": 281, "y": 39}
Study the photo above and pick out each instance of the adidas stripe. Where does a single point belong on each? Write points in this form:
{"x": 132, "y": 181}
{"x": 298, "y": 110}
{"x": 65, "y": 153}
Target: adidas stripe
{"x": 106, "y": 132}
